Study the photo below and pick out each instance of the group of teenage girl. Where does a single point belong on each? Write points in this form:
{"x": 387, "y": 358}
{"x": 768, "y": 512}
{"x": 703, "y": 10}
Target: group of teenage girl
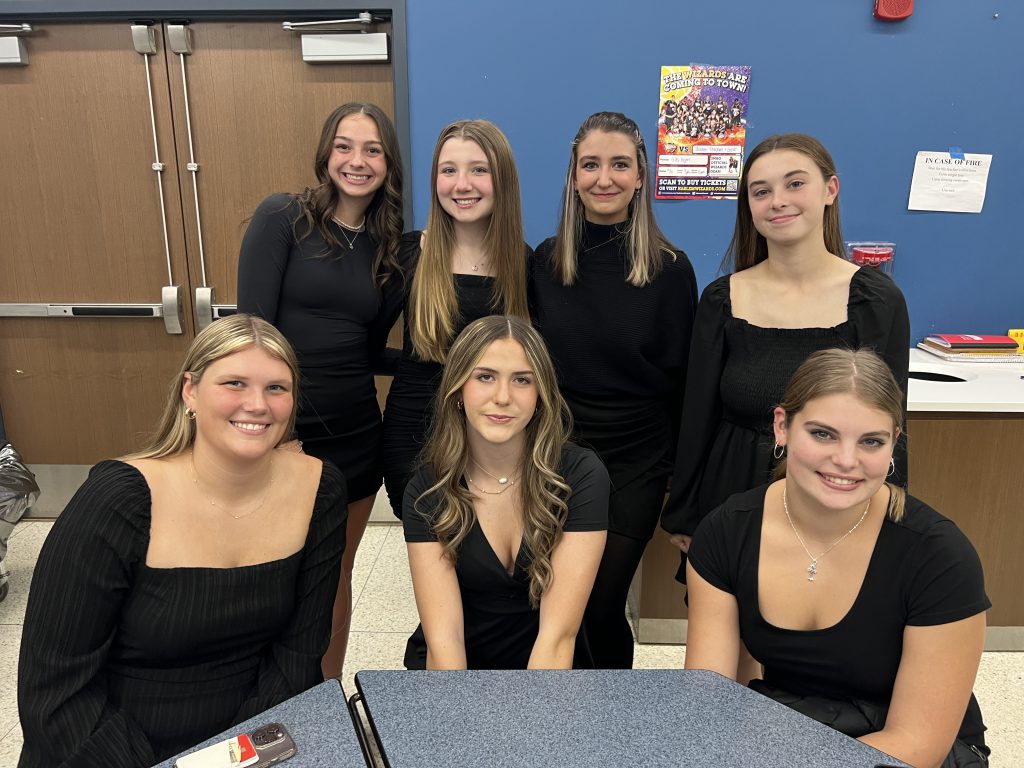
{"x": 543, "y": 404}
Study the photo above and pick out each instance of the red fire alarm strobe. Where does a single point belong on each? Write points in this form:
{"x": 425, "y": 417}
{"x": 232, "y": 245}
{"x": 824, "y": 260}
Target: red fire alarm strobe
{"x": 893, "y": 10}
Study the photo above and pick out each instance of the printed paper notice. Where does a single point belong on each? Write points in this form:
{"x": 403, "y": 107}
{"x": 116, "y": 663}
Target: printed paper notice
{"x": 702, "y": 128}
{"x": 945, "y": 183}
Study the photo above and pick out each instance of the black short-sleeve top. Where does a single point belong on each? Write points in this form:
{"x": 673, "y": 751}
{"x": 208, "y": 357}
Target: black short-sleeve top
{"x": 923, "y": 572}
{"x": 500, "y": 624}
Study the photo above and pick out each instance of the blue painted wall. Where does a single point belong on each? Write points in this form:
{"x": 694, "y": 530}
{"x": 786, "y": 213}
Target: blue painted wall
{"x": 875, "y": 93}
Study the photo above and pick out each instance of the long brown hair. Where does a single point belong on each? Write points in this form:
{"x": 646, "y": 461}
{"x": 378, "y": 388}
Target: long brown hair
{"x": 175, "y": 432}
{"x": 542, "y": 491}
{"x": 860, "y": 373}
{"x": 383, "y": 216}
{"x": 748, "y": 246}
{"x": 433, "y": 306}
{"x": 647, "y": 245}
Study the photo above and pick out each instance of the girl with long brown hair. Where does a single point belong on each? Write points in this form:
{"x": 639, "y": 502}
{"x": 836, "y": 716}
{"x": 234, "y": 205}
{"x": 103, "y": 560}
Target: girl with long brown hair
{"x": 323, "y": 267}
{"x": 790, "y": 293}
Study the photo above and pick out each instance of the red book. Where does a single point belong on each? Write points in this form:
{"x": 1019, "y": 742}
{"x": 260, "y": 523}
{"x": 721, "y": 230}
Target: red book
{"x": 972, "y": 341}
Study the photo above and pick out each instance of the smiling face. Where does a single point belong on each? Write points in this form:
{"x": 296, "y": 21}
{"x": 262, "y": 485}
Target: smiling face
{"x": 838, "y": 451}
{"x": 788, "y": 196}
{"x": 357, "y": 164}
{"x": 607, "y": 176}
{"x": 465, "y": 187}
{"x": 243, "y": 403}
{"x": 500, "y": 396}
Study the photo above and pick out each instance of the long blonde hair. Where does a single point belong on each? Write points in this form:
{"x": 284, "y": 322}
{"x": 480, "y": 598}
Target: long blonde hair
{"x": 860, "y": 373}
{"x": 748, "y": 246}
{"x": 433, "y": 305}
{"x": 647, "y": 246}
{"x": 542, "y": 491}
{"x": 175, "y": 432}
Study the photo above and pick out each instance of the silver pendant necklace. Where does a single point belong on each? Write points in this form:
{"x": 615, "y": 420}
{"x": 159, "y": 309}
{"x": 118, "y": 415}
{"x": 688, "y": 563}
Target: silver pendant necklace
{"x": 346, "y": 228}
{"x": 812, "y": 569}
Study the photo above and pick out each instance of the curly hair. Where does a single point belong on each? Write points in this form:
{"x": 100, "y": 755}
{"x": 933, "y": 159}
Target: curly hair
{"x": 542, "y": 493}
{"x": 384, "y": 222}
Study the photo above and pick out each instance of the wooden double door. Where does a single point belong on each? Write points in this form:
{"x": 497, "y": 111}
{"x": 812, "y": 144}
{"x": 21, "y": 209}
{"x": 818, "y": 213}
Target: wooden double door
{"x": 103, "y": 215}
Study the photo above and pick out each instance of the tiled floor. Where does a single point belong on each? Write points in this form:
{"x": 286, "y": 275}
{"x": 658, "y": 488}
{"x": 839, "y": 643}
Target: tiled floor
{"x": 385, "y": 614}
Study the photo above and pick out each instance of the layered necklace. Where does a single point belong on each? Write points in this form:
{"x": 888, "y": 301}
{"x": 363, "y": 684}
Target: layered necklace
{"x": 254, "y": 510}
{"x": 504, "y": 482}
{"x": 812, "y": 569}
{"x": 346, "y": 228}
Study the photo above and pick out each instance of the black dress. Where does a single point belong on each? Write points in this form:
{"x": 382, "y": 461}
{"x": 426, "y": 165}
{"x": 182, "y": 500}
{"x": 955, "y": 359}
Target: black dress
{"x": 123, "y": 665}
{"x": 410, "y": 403}
{"x": 738, "y": 373}
{"x": 325, "y": 302}
{"x": 923, "y": 571}
{"x": 500, "y": 625}
{"x": 620, "y": 352}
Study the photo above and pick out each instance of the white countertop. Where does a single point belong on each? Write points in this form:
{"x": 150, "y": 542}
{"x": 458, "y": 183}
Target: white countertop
{"x": 989, "y": 387}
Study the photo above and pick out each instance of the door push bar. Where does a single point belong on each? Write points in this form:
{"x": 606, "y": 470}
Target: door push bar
{"x": 169, "y": 309}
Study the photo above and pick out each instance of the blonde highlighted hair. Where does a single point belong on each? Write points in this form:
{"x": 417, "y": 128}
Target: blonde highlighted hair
{"x": 860, "y": 373}
{"x": 176, "y": 432}
{"x": 748, "y": 246}
{"x": 433, "y": 305}
{"x": 646, "y": 245}
{"x": 542, "y": 493}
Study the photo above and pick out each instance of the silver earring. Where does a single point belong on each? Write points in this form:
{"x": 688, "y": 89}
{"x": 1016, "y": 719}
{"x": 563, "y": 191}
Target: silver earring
{"x": 190, "y": 414}
{"x": 892, "y": 467}
{"x": 778, "y": 451}
{"x": 458, "y": 404}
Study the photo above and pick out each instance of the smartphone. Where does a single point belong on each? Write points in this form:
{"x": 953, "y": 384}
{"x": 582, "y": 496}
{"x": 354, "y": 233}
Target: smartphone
{"x": 273, "y": 744}
{"x": 237, "y": 752}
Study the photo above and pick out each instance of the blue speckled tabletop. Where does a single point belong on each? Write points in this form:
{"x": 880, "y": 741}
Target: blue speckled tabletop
{"x": 317, "y": 720}
{"x": 594, "y": 718}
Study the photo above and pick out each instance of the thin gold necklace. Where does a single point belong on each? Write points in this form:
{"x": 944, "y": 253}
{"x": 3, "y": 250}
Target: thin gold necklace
{"x": 499, "y": 480}
{"x": 254, "y": 510}
{"x": 489, "y": 493}
{"x": 812, "y": 569}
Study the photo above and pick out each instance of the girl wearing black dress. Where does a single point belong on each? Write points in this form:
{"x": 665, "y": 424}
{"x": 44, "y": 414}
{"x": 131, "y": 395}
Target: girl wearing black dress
{"x": 323, "y": 267}
{"x": 470, "y": 262}
{"x": 615, "y": 302}
{"x": 790, "y": 294}
{"x": 187, "y": 587}
{"x": 505, "y": 519}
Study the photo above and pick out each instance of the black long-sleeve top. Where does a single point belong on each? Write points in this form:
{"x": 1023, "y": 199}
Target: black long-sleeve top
{"x": 608, "y": 338}
{"x": 123, "y": 665}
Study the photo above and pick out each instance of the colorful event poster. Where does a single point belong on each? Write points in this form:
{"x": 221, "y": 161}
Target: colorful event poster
{"x": 702, "y": 128}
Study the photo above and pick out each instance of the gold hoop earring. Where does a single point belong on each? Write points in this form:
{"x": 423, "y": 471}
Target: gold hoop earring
{"x": 190, "y": 414}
